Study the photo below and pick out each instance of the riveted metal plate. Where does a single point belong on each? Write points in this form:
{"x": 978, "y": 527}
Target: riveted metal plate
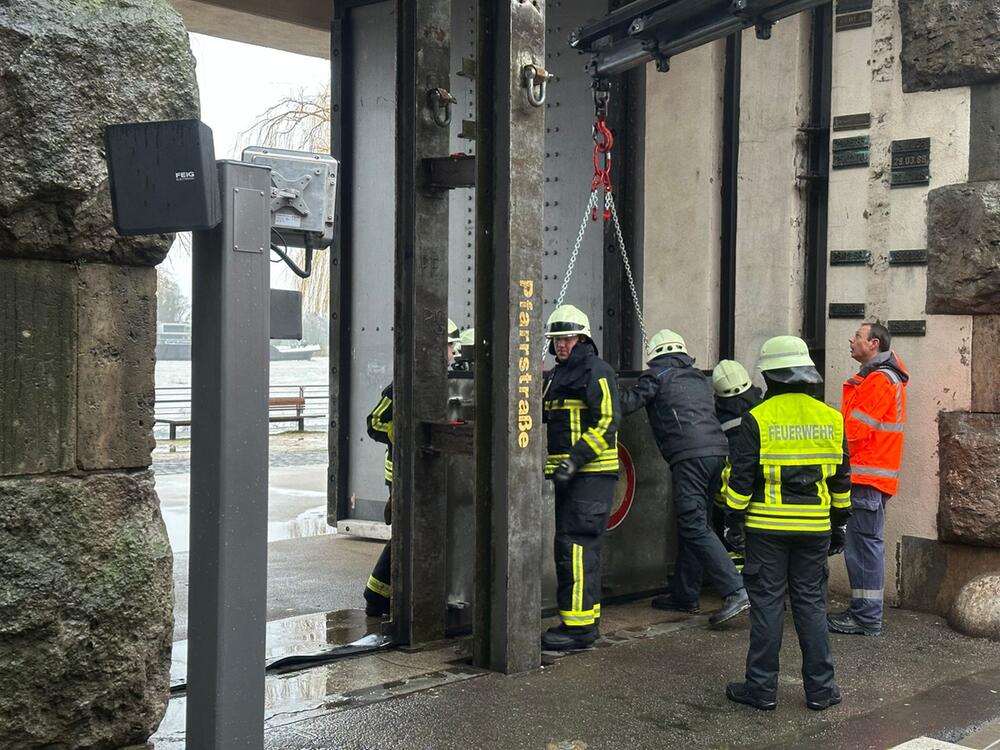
{"x": 911, "y": 162}
{"x": 847, "y": 309}
{"x": 850, "y": 258}
{"x": 851, "y": 152}
{"x": 908, "y": 258}
{"x": 861, "y": 121}
{"x": 908, "y": 327}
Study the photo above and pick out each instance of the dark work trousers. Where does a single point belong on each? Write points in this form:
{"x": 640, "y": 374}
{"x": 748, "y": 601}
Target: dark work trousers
{"x": 700, "y": 552}
{"x": 864, "y": 550}
{"x": 582, "y": 509}
{"x": 379, "y": 588}
{"x": 798, "y": 563}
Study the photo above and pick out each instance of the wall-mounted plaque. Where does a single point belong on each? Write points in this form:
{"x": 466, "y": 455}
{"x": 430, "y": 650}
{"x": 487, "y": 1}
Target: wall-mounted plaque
{"x": 907, "y": 257}
{"x": 850, "y": 258}
{"x": 850, "y": 152}
{"x": 911, "y": 162}
{"x": 908, "y": 327}
{"x": 860, "y": 20}
{"x": 861, "y": 121}
{"x": 853, "y": 6}
{"x": 847, "y": 310}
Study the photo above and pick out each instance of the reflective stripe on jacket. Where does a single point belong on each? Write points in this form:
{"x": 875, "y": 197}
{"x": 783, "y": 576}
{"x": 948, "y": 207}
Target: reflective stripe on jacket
{"x": 874, "y": 410}
{"x": 380, "y": 428}
{"x": 582, "y": 412}
{"x": 790, "y": 471}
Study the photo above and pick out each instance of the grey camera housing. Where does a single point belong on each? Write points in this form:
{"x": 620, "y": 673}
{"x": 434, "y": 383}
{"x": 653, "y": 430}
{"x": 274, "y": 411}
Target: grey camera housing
{"x": 303, "y": 194}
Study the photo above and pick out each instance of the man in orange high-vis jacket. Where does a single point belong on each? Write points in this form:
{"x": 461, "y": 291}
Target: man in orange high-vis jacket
{"x": 874, "y": 409}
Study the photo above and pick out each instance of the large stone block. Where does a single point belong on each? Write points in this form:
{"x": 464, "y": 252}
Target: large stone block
{"x": 116, "y": 366}
{"x": 986, "y": 363}
{"x": 37, "y": 367}
{"x": 930, "y": 573}
{"x": 85, "y": 611}
{"x": 70, "y": 67}
{"x": 976, "y": 610}
{"x": 949, "y": 43}
{"x": 969, "y": 455}
{"x": 963, "y": 244}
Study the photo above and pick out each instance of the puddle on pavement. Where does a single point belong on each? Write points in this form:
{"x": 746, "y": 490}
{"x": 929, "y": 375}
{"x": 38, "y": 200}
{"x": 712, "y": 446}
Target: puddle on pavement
{"x": 317, "y": 634}
{"x": 334, "y": 686}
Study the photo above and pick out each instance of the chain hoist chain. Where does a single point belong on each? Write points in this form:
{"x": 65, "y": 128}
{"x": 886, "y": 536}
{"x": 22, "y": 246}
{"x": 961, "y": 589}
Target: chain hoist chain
{"x": 591, "y": 205}
{"x": 609, "y": 204}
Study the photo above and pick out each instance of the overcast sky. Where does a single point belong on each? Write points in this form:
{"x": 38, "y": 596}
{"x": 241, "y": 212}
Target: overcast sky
{"x": 238, "y": 82}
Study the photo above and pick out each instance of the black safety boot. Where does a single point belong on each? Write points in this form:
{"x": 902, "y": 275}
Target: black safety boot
{"x": 735, "y": 604}
{"x": 824, "y": 703}
{"x": 738, "y": 692}
{"x": 563, "y": 638}
{"x": 845, "y": 624}
{"x": 667, "y": 603}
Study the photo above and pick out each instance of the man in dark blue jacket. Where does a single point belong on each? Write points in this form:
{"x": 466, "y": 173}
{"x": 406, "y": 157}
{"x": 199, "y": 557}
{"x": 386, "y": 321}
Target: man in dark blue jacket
{"x": 678, "y": 400}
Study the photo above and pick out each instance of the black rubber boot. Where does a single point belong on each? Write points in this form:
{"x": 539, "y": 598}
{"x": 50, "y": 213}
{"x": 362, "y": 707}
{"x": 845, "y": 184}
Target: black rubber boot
{"x": 738, "y": 692}
{"x": 735, "y": 604}
{"x": 563, "y": 638}
{"x": 824, "y": 703}
{"x": 667, "y": 603}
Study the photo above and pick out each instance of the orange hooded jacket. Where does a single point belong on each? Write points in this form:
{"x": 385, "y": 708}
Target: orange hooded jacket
{"x": 874, "y": 409}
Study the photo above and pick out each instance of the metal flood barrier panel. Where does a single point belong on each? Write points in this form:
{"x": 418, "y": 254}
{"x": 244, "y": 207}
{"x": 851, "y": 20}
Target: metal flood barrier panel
{"x": 640, "y": 549}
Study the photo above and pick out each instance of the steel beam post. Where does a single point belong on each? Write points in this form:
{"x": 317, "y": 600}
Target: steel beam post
{"x": 423, "y": 54}
{"x": 229, "y": 428}
{"x": 341, "y": 134}
{"x": 509, "y": 436}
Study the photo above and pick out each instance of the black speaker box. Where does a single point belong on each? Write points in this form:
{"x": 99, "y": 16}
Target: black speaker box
{"x": 163, "y": 176}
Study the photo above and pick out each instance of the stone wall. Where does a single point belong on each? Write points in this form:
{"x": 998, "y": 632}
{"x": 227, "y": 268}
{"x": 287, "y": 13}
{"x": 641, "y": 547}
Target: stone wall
{"x": 952, "y": 45}
{"x": 86, "y": 595}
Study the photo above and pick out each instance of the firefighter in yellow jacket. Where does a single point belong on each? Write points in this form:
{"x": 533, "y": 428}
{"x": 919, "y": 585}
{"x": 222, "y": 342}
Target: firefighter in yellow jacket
{"x": 789, "y": 488}
{"x": 582, "y": 411}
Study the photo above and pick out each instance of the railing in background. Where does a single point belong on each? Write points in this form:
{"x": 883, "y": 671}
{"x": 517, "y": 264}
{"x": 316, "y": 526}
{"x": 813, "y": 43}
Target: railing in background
{"x": 300, "y": 404}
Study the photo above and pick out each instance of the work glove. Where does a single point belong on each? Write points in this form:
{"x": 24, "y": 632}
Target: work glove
{"x": 734, "y": 536}
{"x": 387, "y": 514}
{"x": 564, "y": 473}
{"x": 838, "y": 535}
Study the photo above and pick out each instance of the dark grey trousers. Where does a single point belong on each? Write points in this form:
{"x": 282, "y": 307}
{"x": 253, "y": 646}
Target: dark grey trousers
{"x": 796, "y": 563}
{"x": 700, "y": 552}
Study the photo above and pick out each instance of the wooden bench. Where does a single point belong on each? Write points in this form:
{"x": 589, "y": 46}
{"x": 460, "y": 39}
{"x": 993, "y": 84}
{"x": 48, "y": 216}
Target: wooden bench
{"x": 275, "y": 404}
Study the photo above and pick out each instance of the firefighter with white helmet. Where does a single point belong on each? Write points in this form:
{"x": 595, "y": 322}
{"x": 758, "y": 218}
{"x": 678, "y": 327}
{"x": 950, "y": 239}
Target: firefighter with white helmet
{"x": 735, "y": 395}
{"x": 678, "y": 400}
{"x": 582, "y": 412}
{"x": 789, "y": 486}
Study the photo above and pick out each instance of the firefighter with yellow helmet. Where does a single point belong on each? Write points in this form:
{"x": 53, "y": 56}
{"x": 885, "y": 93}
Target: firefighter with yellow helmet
{"x": 789, "y": 486}
{"x": 378, "y": 591}
{"x": 581, "y": 411}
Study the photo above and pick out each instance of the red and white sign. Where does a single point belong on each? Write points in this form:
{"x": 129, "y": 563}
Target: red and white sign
{"x": 624, "y": 490}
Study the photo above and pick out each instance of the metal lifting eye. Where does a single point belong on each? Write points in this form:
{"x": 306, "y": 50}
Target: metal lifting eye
{"x": 535, "y": 76}
{"x": 440, "y": 101}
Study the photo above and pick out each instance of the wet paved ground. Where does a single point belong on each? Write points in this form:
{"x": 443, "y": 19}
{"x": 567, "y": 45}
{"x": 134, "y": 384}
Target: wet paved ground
{"x": 656, "y": 683}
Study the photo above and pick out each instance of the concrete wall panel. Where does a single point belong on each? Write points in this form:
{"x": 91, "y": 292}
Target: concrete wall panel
{"x": 770, "y": 253}
{"x": 683, "y": 204}
{"x": 895, "y": 219}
